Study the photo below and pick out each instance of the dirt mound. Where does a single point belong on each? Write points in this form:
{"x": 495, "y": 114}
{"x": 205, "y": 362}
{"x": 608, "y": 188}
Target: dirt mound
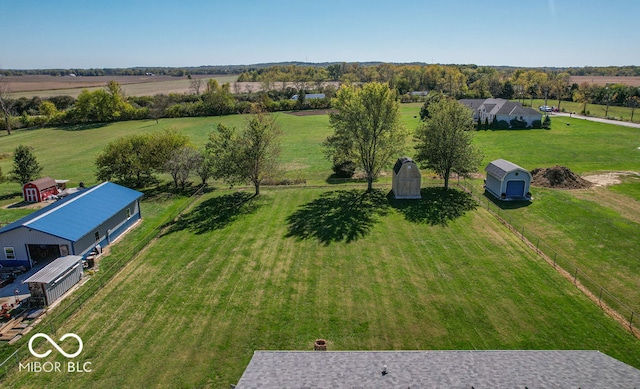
{"x": 558, "y": 177}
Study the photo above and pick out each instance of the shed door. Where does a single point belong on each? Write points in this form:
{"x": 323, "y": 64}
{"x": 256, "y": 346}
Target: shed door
{"x": 31, "y": 195}
{"x": 515, "y": 188}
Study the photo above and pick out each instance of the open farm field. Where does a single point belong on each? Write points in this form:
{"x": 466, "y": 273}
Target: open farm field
{"x": 47, "y": 86}
{"x": 236, "y": 274}
{"x": 239, "y": 277}
{"x": 604, "y": 80}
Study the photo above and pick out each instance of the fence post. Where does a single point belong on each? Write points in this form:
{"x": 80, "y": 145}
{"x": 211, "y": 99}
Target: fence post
{"x": 522, "y": 233}
{"x": 631, "y": 320}
{"x": 600, "y": 297}
{"x": 575, "y": 277}
{"x": 555, "y": 255}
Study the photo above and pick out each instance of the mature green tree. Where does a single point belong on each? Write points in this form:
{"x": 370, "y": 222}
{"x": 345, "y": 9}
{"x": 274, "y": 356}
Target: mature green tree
{"x": 218, "y": 100}
{"x": 584, "y": 95}
{"x": 25, "y": 165}
{"x": 432, "y": 98}
{"x": 250, "y": 155}
{"x": 632, "y": 102}
{"x": 102, "y": 105}
{"x": 444, "y": 142}
{"x": 159, "y": 106}
{"x": 560, "y": 86}
{"x": 367, "y": 128}
{"x": 182, "y": 162}
{"x": 6, "y": 105}
{"x": 123, "y": 160}
{"x": 204, "y": 166}
{"x": 134, "y": 159}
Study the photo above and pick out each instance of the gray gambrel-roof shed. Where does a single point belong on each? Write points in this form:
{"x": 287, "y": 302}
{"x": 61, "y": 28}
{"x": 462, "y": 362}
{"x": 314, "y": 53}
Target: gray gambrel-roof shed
{"x": 406, "y": 179}
{"x": 438, "y": 369}
{"x": 507, "y": 181}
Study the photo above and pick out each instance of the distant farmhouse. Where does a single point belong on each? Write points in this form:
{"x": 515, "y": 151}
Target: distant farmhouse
{"x": 488, "y": 110}
{"x": 309, "y": 96}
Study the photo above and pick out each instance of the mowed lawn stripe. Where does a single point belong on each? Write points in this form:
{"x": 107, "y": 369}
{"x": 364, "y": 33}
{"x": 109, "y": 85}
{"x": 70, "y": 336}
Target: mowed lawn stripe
{"x": 194, "y": 307}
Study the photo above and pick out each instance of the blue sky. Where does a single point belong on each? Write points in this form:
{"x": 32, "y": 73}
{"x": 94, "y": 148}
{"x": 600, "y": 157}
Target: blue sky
{"x": 127, "y": 33}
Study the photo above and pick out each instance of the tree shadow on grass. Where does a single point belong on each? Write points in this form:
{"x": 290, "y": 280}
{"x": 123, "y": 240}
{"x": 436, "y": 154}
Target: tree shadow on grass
{"x": 342, "y": 215}
{"x": 81, "y": 126}
{"x": 437, "y": 206}
{"x": 217, "y": 213}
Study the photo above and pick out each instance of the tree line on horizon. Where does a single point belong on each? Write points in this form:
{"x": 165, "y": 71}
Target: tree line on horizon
{"x": 620, "y": 71}
{"x": 279, "y": 83}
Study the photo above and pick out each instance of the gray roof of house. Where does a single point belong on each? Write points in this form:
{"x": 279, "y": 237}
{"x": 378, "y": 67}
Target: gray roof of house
{"x": 54, "y": 270}
{"x": 500, "y": 168}
{"x": 499, "y": 107}
{"x": 437, "y": 369}
{"x": 516, "y": 109}
{"x": 474, "y": 104}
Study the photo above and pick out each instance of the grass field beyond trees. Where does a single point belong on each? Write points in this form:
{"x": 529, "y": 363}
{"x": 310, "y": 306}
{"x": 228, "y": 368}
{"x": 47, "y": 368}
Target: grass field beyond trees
{"x": 236, "y": 274}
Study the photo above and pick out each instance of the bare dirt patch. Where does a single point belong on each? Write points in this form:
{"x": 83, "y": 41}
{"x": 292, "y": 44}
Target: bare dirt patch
{"x": 559, "y": 177}
{"x": 604, "y": 80}
{"x": 45, "y": 82}
{"x": 607, "y": 179}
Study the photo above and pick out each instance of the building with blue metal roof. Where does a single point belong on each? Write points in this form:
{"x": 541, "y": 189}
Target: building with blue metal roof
{"x": 74, "y": 225}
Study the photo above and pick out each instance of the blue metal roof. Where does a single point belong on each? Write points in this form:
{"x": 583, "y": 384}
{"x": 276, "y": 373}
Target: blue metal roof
{"x": 80, "y": 213}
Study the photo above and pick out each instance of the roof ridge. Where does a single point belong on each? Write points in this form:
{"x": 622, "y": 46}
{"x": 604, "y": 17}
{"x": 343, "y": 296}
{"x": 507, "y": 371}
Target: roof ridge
{"x": 52, "y": 210}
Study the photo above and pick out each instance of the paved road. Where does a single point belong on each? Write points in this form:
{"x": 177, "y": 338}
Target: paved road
{"x": 601, "y": 120}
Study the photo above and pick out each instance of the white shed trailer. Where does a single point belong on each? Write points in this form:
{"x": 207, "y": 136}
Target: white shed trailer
{"x": 507, "y": 181}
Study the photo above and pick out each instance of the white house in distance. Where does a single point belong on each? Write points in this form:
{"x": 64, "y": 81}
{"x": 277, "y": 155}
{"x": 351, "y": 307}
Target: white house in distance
{"x": 500, "y": 109}
{"x": 310, "y": 96}
{"x": 507, "y": 181}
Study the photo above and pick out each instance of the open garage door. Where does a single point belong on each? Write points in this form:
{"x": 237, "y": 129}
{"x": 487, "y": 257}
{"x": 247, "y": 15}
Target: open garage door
{"x": 43, "y": 252}
{"x": 515, "y": 188}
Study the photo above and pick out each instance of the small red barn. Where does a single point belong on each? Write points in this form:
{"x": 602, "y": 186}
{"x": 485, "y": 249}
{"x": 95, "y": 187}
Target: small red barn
{"x": 38, "y": 190}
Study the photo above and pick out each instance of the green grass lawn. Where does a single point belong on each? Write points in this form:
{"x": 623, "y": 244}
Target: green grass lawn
{"x": 580, "y": 145}
{"x": 190, "y": 311}
{"x": 235, "y": 275}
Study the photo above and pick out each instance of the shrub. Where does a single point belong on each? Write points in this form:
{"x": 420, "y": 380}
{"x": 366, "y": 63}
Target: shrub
{"x": 345, "y": 169}
{"x": 502, "y": 125}
{"x": 517, "y": 123}
{"x": 536, "y": 124}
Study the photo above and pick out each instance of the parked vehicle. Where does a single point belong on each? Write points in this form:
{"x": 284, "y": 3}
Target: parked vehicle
{"x": 545, "y": 108}
{"x": 6, "y": 279}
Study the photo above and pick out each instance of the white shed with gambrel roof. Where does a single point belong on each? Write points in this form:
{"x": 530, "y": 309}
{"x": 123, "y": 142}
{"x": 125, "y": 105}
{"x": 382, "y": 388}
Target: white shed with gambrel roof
{"x": 406, "y": 179}
{"x": 507, "y": 181}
